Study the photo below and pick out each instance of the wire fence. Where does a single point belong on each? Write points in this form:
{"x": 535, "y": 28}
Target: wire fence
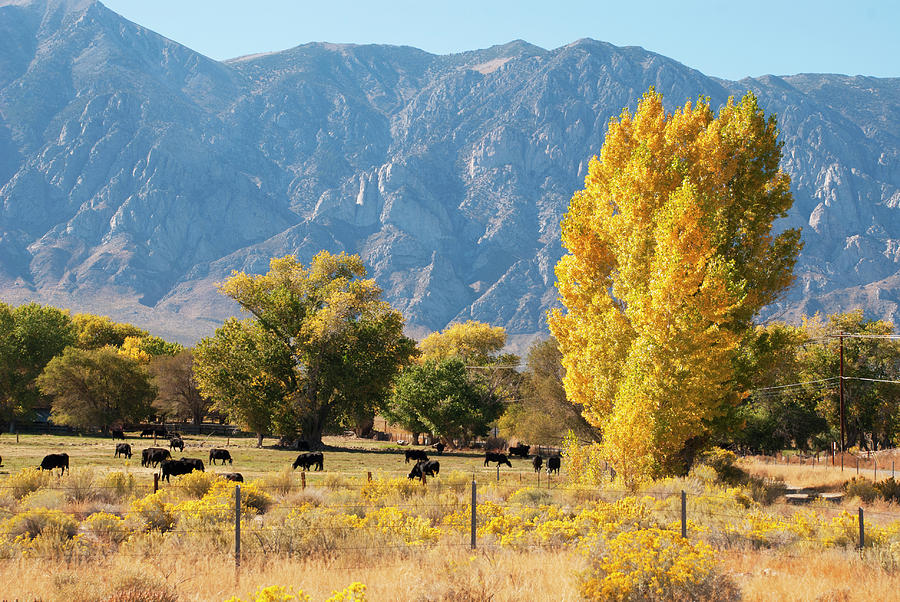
{"x": 675, "y": 510}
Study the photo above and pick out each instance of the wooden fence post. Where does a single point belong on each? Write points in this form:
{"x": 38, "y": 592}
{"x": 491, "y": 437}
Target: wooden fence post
{"x": 862, "y": 530}
{"x": 237, "y": 529}
{"x": 474, "y": 512}
{"x": 303, "y": 480}
{"x": 155, "y": 482}
{"x": 683, "y": 514}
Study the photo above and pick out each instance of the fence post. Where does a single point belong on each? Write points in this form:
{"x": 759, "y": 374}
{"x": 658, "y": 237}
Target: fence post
{"x": 683, "y": 514}
{"x": 155, "y": 482}
{"x": 857, "y": 464}
{"x": 862, "y": 530}
{"x": 474, "y": 512}
{"x": 892, "y": 469}
{"x": 303, "y": 480}
{"x": 237, "y": 527}
{"x": 498, "y": 472}
{"x": 369, "y": 475}
{"x": 875, "y": 468}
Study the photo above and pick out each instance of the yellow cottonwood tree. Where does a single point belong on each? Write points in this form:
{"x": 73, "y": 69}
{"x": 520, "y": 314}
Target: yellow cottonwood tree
{"x": 671, "y": 255}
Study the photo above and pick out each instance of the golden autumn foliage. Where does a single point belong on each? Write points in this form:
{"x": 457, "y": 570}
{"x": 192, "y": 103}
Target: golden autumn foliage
{"x": 473, "y": 342}
{"x": 671, "y": 255}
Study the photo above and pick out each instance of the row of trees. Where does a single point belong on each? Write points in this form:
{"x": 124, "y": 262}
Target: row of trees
{"x": 96, "y": 372}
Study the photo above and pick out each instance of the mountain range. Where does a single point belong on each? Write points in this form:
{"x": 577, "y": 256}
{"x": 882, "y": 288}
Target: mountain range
{"x": 135, "y": 173}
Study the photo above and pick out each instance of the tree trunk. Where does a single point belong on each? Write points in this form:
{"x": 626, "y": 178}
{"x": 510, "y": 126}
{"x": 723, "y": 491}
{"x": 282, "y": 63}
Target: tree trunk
{"x": 259, "y": 439}
{"x": 198, "y": 418}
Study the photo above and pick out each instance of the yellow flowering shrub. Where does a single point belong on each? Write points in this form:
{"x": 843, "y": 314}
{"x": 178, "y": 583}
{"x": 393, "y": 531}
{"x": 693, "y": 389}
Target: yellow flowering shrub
{"x": 586, "y": 464}
{"x": 412, "y": 529}
{"x": 381, "y": 490}
{"x": 106, "y": 527}
{"x": 32, "y": 523}
{"x": 196, "y": 484}
{"x": 153, "y": 512}
{"x": 355, "y": 592}
{"x": 273, "y": 593}
{"x": 26, "y": 481}
{"x": 654, "y": 564}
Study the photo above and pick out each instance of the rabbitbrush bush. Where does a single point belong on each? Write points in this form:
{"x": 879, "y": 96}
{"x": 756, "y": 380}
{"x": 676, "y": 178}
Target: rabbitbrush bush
{"x": 654, "y": 564}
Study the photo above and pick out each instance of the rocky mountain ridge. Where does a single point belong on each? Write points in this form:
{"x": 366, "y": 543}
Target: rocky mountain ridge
{"x": 136, "y": 173}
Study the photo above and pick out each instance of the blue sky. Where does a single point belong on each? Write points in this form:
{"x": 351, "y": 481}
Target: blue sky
{"x": 724, "y": 39}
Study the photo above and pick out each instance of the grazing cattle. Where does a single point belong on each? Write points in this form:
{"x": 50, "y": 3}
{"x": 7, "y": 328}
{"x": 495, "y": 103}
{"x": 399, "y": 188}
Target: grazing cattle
{"x": 176, "y": 443}
{"x": 520, "y": 450}
{"x": 232, "y": 476}
{"x": 147, "y": 433}
{"x": 418, "y": 455}
{"x": 553, "y": 463}
{"x": 154, "y": 455}
{"x": 219, "y": 454}
{"x": 439, "y": 448}
{"x": 118, "y": 434}
{"x": 310, "y": 459}
{"x": 495, "y": 457}
{"x": 537, "y": 462}
{"x": 421, "y": 469}
{"x": 123, "y": 449}
{"x": 1, "y": 460}
{"x": 197, "y": 463}
{"x": 161, "y": 432}
{"x": 52, "y": 461}
{"x": 174, "y": 468}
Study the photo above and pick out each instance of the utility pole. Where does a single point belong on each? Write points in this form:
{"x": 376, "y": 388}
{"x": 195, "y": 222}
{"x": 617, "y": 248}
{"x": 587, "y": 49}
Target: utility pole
{"x": 841, "y": 338}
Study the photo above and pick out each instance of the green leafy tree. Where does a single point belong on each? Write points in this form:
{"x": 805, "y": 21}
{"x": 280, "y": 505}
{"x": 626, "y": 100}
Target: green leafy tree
{"x": 330, "y": 346}
{"x": 30, "y": 336}
{"x": 671, "y": 255}
{"x": 246, "y": 372}
{"x": 441, "y": 398}
{"x": 542, "y": 414}
{"x": 178, "y": 393}
{"x": 871, "y": 407}
{"x": 94, "y": 332}
{"x": 96, "y": 388}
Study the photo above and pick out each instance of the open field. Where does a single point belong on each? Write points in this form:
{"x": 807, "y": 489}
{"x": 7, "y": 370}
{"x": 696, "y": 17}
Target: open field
{"x": 98, "y": 531}
{"x": 347, "y": 456}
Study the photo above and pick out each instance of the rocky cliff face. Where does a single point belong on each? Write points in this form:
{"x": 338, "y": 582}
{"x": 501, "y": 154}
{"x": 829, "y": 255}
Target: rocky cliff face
{"x": 135, "y": 173}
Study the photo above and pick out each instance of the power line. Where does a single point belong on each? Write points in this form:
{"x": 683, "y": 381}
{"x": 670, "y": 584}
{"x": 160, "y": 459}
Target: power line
{"x": 800, "y": 384}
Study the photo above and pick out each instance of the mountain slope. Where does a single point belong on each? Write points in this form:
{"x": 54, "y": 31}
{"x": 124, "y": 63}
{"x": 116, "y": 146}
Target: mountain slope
{"x": 135, "y": 173}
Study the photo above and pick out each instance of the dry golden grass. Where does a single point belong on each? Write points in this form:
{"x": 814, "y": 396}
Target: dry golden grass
{"x": 835, "y": 575}
{"x": 438, "y": 575}
{"x": 427, "y": 575}
{"x": 821, "y": 477}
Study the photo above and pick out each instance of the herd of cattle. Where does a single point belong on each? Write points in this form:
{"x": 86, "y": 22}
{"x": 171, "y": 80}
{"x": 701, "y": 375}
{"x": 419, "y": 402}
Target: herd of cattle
{"x": 161, "y": 457}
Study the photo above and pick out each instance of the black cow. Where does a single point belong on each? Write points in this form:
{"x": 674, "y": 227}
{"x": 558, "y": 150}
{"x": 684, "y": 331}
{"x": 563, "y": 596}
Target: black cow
{"x": 147, "y": 433}
{"x": 553, "y": 463}
{"x": 161, "y": 432}
{"x": 174, "y": 468}
{"x": 52, "y": 461}
{"x": 123, "y": 449}
{"x": 439, "y": 448}
{"x": 217, "y": 453}
{"x": 118, "y": 434}
{"x": 310, "y": 459}
{"x": 197, "y": 463}
{"x": 154, "y": 455}
{"x": 1, "y": 460}
{"x": 232, "y": 476}
{"x": 176, "y": 443}
{"x": 429, "y": 467}
{"x": 418, "y": 455}
{"x": 520, "y": 450}
{"x": 495, "y": 457}
{"x": 537, "y": 462}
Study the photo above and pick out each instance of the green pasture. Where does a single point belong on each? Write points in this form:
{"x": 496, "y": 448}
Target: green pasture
{"x": 348, "y": 457}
